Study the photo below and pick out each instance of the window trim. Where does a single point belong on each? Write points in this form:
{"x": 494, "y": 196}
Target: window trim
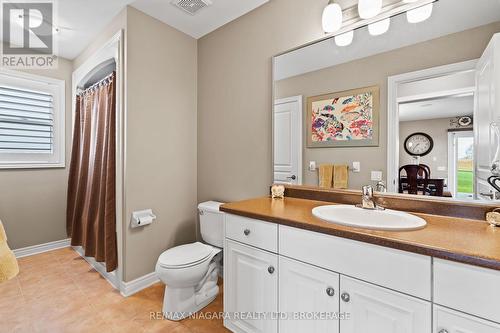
{"x": 58, "y": 157}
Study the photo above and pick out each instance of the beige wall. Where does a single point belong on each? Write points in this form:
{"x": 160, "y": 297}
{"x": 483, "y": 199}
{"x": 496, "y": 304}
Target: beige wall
{"x": 234, "y": 95}
{"x": 438, "y": 130}
{"x": 375, "y": 70}
{"x": 160, "y": 136}
{"x": 33, "y": 201}
{"x": 234, "y": 91}
{"x": 161, "y": 70}
{"x": 161, "y": 139}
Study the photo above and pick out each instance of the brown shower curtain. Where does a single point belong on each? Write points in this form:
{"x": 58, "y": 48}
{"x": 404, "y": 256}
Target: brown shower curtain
{"x": 91, "y": 209}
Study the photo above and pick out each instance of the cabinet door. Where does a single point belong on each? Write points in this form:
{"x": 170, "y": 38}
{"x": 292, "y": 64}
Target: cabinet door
{"x": 309, "y": 297}
{"x": 487, "y": 117}
{"x": 378, "y": 310}
{"x": 448, "y": 321}
{"x": 251, "y": 289}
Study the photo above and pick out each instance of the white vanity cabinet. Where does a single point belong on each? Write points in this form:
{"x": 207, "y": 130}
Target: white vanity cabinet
{"x": 378, "y": 310}
{"x": 250, "y": 288}
{"x": 449, "y": 321}
{"x": 302, "y": 281}
{"x": 306, "y": 291}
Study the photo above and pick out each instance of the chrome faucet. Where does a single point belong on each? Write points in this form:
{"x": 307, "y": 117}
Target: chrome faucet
{"x": 367, "y": 201}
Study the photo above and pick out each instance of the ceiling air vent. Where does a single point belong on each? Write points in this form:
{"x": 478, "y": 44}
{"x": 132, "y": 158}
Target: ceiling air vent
{"x": 191, "y": 6}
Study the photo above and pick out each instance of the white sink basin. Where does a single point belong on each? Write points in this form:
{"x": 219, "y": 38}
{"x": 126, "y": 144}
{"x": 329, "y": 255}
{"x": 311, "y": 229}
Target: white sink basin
{"x": 369, "y": 219}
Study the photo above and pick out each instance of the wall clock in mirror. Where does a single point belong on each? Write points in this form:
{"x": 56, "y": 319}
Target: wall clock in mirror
{"x": 465, "y": 121}
{"x": 418, "y": 144}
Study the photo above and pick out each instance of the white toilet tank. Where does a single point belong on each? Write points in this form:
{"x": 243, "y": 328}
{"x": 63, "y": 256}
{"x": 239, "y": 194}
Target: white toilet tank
{"x": 211, "y": 223}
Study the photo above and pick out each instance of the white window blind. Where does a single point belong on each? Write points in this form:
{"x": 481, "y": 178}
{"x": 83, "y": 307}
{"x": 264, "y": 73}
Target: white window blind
{"x": 26, "y": 121}
{"x": 32, "y": 110}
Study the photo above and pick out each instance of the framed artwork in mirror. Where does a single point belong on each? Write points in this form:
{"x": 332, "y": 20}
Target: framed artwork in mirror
{"x": 344, "y": 119}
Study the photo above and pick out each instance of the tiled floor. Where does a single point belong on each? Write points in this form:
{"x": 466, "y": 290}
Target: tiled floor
{"x": 58, "y": 291}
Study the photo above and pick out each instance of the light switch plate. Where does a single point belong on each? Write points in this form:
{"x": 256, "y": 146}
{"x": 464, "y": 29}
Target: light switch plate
{"x": 376, "y": 176}
{"x": 356, "y": 166}
{"x": 312, "y": 165}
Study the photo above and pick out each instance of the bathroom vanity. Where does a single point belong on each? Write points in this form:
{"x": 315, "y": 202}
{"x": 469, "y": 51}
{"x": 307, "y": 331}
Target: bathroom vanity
{"x": 338, "y": 111}
{"x": 288, "y": 271}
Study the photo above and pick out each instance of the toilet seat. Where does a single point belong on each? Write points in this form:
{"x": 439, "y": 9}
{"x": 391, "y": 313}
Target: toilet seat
{"x": 185, "y": 255}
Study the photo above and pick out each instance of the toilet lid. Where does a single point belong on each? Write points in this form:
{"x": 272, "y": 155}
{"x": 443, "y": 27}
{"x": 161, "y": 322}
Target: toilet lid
{"x": 184, "y": 255}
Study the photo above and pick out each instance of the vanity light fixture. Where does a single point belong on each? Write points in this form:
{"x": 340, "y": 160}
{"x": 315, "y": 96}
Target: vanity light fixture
{"x": 380, "y": 27}
{"x": 332, "y": 17}
{"x": 419, "y": 14}
{"x": 345, "y": 38}
{"x": 369, "y": 12}
{"x": 369, "y": 8}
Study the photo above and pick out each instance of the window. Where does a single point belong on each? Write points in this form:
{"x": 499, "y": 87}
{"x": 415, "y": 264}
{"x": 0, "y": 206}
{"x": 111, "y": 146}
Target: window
{"x": 31, "y": 121}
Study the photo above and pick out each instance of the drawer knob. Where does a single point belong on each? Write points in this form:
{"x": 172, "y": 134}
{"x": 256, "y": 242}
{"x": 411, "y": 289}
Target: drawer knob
{"x": 345, "y": 297}
{"x": 443, "y": 331}
{"x": 270, "y": 269}
{"x": 246, "y": 232}
{"x": 330, "y": 291}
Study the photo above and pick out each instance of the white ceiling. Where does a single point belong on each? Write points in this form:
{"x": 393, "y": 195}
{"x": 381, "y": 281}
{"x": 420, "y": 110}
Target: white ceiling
{"x": 206, "y": 20}
{"x": 80, "y": 21}
{"x": 448, "y": 16}
{"x": 439, "y": 108}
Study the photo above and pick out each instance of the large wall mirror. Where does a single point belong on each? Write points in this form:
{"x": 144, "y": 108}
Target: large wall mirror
{"x": 407, "y": 107}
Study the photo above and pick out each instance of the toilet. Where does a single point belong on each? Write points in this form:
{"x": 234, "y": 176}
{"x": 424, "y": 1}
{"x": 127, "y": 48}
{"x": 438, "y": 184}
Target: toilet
{"x": 190, "y": 271}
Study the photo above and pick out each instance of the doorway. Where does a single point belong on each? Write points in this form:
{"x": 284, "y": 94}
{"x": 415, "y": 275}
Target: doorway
{"x": 461, "y": 164}
{"x": 287, "y": 140}
{"x": 440, "y": 94}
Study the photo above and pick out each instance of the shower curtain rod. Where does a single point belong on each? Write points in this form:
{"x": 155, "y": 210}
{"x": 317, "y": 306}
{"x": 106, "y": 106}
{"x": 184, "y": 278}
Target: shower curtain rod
{"x": 97, "y": 84}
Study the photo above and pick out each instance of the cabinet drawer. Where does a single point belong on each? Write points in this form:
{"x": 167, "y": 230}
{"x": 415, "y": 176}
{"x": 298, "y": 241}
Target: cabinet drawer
{"x": 467, "y": 288}
{"x": 257, "y": 233}
{"x": 446, "y": 320}
{"x": 406, "y": 272}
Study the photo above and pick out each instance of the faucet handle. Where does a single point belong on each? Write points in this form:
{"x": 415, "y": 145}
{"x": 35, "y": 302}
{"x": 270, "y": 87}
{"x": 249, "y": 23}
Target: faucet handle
{"x": 381, "y": 186}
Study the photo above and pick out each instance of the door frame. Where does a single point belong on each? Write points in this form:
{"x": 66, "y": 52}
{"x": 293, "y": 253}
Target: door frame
{"x": 452, "y": 161}
{"x": 298, "y": 100}
{"x": 112, "y": 49}
{"x": 393, "y": 101}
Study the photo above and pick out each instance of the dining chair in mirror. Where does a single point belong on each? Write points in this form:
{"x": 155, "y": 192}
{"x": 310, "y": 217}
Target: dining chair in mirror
{"x": 415, "y": 179}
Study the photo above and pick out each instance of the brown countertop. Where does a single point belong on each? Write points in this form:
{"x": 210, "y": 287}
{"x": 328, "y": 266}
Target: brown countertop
{"x": 463, "y": 240}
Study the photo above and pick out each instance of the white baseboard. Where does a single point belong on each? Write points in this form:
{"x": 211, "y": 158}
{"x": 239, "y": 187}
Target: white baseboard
{"x": 126, "y": 288}
{"x": 111, "y": 277}
{"x": 134, "y": 286}
{"x": 36, "y": 249}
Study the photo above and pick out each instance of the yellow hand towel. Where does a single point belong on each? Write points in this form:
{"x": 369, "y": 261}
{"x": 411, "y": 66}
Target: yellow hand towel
{"x": 325, "y": 175}
{"x": 341, "y": 177}
{"x": 8, "y": 262}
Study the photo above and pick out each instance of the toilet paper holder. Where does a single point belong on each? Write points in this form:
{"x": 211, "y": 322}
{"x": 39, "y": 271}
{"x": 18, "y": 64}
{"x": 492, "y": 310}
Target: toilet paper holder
{"x": 142, "y": 217}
